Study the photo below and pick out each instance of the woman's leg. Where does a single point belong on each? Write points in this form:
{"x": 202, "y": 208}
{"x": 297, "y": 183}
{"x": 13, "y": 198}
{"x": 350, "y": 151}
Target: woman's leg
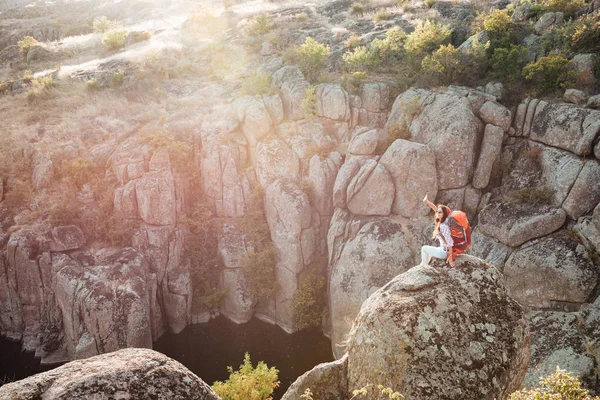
{"x": 429, "y": 251}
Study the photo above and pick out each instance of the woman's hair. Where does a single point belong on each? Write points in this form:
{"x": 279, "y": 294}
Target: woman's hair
{"x": 438, "y": 221}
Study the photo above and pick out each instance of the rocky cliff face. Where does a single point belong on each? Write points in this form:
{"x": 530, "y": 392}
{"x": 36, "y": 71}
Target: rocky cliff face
{"x": 338, "y": 199}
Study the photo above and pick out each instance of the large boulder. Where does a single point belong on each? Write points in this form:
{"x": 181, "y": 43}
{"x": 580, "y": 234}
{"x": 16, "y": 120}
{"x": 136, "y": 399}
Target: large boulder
{"x": 412, "y": 168}
{"x": 529, "y": 165}
{"x": 441, "y": 333}
{"x": 371, "y": 191}
{"x": 378, "y": 251}
{"x": 321, "y": 175}
{"x": 585, "y": 192}
{"x": 489, "y": 249}
{"x": 293, "y": 90}
{"x": 254, "y": 118}
{"x": 490, "y": 151}
{"x": 446, "y": 123}
{"x": 583, "y": 64}
{"x": 557, "y": 339}
{"x": 515, "y": 224}
{"x": 124, "y": 374}
{"x": 68, "y": 237}
{"x": 326, "y": 381}
{"x": 551, "y": 272}
{"x": 38, "y": 52}
{"x": 332, "y": 102}
{"x": 563, "y": 125}
{"x": 547, "y": 22}
{"x": 275, "y": 160}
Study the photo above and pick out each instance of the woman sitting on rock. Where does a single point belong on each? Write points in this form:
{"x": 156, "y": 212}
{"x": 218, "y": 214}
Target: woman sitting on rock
{"x": 441, "y": 232}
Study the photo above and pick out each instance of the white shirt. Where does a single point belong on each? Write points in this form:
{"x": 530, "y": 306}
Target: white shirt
{"x": 444, "y": 236}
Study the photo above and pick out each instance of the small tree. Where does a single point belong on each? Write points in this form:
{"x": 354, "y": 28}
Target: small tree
{"x": 312, "y": 56}
{"x": 499, "y": 26}
{"x": 114, "y": 39}
{"x": 260, "y": 25}
{"x": 560, "y": 386}
{"x": 445, "y": 63}
{"x": 507, "y": 64}
{"x": 549, "y": 73}
{"x": 309, "y": 103}
{"x": 258, "y": 83}
{"x": 360, "y": 59}
{"x": 427, "y": 37}
{"x": 27, "y": 43}
{"x": 309, "y": 301}
{"x": 248, "y": 383}
{"x": 568, "y": 7}
{"x": 586, "y": 35}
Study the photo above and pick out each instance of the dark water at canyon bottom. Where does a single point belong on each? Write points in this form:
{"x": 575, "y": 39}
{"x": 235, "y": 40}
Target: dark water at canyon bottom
{"x": 207, "y": 350}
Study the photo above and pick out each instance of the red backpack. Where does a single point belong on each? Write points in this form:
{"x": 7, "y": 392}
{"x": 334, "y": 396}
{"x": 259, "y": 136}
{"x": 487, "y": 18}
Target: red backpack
{"x": 460, "y": 230}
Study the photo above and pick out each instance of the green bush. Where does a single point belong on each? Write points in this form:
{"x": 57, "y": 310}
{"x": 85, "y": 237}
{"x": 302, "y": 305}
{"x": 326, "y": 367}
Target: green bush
{"x": 27, "y": 43}
{"x": 381, "y": 15}
{"x": 391, "y": 49}
{"x": 357, "y": 8}
{"x": 507, "y": 64}
{"x": 259, "y": 267}
{"x": 117, "y": 78}
{"x": 586, "y": 35}
{"x": 427, "y": 37}
{"x": 309, "y": 302}
{"x": 114, "y": 39}
{"x": 259, "y": 273}
{"x": 381, "y": 392}
{"x": 352, "y": 42}
{"x": 40, "y": 87}
{"x": 558, "y": 40}
{"x": 311, "y": 58}
{"x": 258, "y": 83}
{"x": 77, "y": 171}
{"x": 499, "y": 26}
{"x": 103, "y": 25}
{"x": 559, "y": 386}
{"x": 360, "y": 59}
{"x": 27, "y": 76}
{"x": 568, "y": 7}
{"x": 302, "y": 17}
{"x": 260, "y": 25}
{"x": 64, "y": 214}
{"x": 93, "y": 85}
{"x": 444, "y": 64}
{"x": 206, "y": 263}
{"x": 180, "y": 151}
{"x": 549, "y": 74}
{"x": 352, "y": 82}
{"x": 248, "y": 383}
{"x": 309, "y": 103}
